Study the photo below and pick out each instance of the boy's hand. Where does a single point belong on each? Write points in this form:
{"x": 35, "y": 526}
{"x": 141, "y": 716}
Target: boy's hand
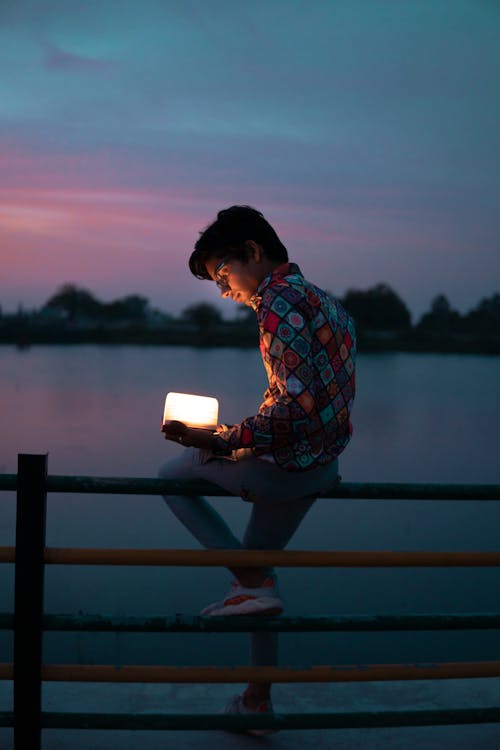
{"x": 190, "y": 437}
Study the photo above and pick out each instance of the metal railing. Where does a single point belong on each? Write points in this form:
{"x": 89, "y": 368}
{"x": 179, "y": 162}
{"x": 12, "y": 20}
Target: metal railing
{"x": 29, "y": 621}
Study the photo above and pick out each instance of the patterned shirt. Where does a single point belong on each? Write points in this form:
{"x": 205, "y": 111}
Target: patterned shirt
{"x": 308, "y": 346}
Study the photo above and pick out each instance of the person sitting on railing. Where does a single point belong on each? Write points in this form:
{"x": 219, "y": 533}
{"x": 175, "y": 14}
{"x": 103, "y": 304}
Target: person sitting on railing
{"x": 284, "y": 456}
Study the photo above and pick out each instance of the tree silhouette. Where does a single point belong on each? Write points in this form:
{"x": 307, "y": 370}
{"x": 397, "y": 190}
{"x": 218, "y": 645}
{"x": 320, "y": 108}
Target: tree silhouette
{"x": 441, "y": 318}
{"x": 203, "y": 315}
{"x": 73, "y": 301}
{"x": 377, "y": 309}
{"x": 131, "y": 308}
{"x": 484, "y": 319}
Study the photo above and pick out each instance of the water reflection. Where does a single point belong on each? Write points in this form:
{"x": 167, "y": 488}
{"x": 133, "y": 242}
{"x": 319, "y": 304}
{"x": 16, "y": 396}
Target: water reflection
{"x": 97, "y": 411}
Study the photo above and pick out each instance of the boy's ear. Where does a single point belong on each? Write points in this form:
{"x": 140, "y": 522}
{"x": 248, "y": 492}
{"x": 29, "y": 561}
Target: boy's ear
{"x": 255, "y": 250}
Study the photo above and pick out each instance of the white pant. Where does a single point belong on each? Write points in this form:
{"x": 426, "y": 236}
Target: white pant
{"x": 280, "y": 499}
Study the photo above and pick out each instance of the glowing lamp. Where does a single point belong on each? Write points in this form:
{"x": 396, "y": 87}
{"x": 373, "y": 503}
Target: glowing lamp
{"x": 195, "y": 411}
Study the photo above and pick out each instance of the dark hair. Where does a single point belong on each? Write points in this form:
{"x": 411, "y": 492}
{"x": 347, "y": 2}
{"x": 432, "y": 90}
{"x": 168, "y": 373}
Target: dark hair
{"x": 227, "y": 236}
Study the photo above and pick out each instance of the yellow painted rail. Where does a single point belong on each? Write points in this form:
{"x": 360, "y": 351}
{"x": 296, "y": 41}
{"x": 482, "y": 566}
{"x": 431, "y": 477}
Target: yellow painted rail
{"x": 258, "y": 558}
{"x": 347, "y": 673}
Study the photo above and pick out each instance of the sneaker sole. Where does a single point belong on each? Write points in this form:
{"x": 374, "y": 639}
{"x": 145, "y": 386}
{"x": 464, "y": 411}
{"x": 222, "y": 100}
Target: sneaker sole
{"x": 235, "y": 709}
{"x": 247, "y": 608}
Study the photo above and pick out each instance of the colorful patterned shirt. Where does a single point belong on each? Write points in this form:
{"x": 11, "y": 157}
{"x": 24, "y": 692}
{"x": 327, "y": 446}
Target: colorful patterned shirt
{"x": 308, "y": 346}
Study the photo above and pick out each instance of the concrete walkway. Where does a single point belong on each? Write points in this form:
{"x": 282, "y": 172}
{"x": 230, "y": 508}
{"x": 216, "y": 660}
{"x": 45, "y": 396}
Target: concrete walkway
{"x": 326, "y": 697}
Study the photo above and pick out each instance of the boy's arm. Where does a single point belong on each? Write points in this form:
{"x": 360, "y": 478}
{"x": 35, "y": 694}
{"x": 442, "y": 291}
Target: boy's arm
{"x": 194, "y": 437}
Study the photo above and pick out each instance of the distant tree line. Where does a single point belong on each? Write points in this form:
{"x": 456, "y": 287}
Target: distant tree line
{"x": 380, "y": 310}
{"x": 72, "y": 303}
{"x": 383, "y": 321}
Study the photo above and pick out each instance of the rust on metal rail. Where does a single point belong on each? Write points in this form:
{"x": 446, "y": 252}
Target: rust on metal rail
{"x": 258, "y": 558}
{"x": 348, "y": 673}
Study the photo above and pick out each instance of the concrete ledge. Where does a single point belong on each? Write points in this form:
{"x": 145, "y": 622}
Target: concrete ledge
{"x": 146, "y": 698}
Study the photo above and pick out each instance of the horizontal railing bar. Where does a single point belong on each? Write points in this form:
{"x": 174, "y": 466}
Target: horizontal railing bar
{"x": 196, "y": 624}
{"x": 259, "y": 558}
{"x": 271, "y": 674}
{"x": 7, "y": 554}
{"x": 322, "y": 624}
{"x": 6, "y": 718}
{"x": 359, "y": 623}
{"x": 340, "y": 720}
{"x": 342, "y": 490}
{"x": 6, "y": 671}
{"x": 348, "y": 490}
{"x": 345, "y": 673}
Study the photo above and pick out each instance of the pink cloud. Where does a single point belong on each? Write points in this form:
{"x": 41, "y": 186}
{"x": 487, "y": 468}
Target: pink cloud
{"x": 80, "y": 218}
{"x": 113, "y": 241}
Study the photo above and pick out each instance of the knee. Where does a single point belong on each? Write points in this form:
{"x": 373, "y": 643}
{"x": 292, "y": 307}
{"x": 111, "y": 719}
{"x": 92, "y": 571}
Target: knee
{"x": 165, "y": 472}
{"x": 173, "y": 468}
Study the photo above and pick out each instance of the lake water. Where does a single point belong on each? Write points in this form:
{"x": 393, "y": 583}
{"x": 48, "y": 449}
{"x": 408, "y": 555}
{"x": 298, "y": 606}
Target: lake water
{"x": 417, "y": 418}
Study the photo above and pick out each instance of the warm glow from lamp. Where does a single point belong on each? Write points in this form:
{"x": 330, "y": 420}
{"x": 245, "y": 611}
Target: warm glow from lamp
{"x": 195, "y": 411}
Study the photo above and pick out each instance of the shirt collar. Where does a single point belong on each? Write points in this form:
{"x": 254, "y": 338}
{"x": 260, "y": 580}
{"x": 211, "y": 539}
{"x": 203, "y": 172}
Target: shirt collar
{"x": 280, "y": 272}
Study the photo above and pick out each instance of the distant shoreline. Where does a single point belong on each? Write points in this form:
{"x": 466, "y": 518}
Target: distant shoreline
{"x": 410, "y": 342}
{"x": 73, "y": 315}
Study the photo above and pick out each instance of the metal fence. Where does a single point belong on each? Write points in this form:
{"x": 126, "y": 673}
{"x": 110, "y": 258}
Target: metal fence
{"x": 29, "y": 621}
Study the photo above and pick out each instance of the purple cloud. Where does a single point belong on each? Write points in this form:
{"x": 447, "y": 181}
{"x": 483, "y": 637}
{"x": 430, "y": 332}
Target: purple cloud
{"x": 60, "y": 59}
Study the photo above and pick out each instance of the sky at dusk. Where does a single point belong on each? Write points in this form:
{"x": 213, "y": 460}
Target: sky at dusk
{"x": 366, "y": 131}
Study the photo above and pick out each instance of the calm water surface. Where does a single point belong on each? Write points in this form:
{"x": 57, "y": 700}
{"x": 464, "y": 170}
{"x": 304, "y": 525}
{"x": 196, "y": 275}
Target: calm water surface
{"x": 97, "y": 411}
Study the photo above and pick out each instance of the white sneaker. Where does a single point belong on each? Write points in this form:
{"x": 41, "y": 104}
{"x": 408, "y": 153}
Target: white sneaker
{"x": 241, "y": 600}
{"x": 236, "y": 706}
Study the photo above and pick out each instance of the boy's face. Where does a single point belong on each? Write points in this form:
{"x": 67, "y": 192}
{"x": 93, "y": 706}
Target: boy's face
{"x": 235, "y": 278}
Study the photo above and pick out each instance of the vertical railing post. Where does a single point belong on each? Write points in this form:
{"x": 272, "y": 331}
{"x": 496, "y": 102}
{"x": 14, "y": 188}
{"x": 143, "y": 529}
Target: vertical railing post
{"x": 28, "y": 600}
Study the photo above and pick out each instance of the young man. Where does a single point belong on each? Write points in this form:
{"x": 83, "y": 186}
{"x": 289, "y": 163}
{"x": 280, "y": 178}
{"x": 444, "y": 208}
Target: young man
{"x": 284, "y": 456}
